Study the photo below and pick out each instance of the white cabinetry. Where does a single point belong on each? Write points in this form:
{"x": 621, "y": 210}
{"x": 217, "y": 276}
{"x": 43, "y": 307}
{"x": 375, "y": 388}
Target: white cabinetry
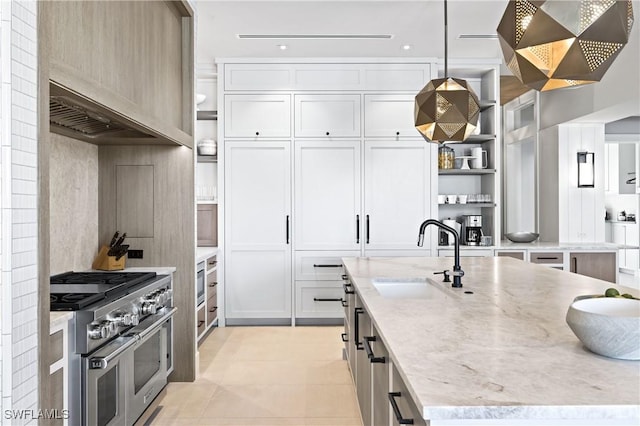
{"x": 257, "y": 238}
{"x": 257, "y": 116}
{"x": 397, "y": 193}
{"x": 627, "y": 234}
{"x": 327, "y": 195}
{"x": 327, "y": 116}
{"x": 389, "y": 116}
{"x": 620, "y": 160}
{"x": 304, "y": 187}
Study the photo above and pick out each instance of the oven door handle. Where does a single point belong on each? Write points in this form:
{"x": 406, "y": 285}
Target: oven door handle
{"x": 102, "y": 362}
{"x": 154, "y": 326}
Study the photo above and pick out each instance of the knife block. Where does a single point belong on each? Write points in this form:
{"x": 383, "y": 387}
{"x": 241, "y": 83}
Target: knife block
{"x": 104, "y": 262}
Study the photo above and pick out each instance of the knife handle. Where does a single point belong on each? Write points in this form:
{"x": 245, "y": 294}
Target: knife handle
{"x": 114, "y": 239}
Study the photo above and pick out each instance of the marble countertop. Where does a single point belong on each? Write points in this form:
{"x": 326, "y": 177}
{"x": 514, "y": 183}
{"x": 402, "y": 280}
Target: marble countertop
{"x": 554, "y": 245}
{"x": 160, "y": 270}
{"x": 202, "y": 253}
{"x": 629, "y": 222}
{"x": 58, "y": 318}
{"x": 504, "y": 352}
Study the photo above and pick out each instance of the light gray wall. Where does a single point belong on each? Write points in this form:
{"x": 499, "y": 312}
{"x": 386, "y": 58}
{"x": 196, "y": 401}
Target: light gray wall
{"x": 548, "y": 185}
{"x": 616, "y": 96}
{"x": 73, "y": 174}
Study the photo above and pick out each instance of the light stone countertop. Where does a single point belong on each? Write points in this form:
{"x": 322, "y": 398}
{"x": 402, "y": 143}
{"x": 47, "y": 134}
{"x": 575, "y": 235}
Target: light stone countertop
{"x": 59, "y": 318}
{"x": 202, "y": 253}
{"x": 503, "y": 353}
{"x": 160, "y": 270}
{"x": 554, "y": 245}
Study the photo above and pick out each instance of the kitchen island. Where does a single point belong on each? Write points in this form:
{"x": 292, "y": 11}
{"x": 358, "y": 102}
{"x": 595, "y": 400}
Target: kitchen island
{"x": 500, "y": 355}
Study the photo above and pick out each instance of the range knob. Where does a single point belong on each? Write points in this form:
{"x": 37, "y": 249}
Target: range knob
{"x": 164, "y": 297}
{"x": 148, "y": 308}
{"x": 152, "y": 298}
{"x": 98, "y": 331}
{"x": 135, "y": 319}
{"x": 112, "y": 326}
{"x": 122, "y": 319}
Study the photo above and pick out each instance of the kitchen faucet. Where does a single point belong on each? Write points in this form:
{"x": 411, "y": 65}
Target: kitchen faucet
{"x": 457, "y": 272}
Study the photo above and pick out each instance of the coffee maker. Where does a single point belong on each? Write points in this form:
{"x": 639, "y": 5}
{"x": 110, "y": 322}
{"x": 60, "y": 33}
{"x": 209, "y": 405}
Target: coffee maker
{"x": 472, "y": 229}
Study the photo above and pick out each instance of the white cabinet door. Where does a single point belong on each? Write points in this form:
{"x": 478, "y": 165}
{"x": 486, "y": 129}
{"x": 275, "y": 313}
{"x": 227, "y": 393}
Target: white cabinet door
{"x": 389, "y": 116}
{"x": 327, "y": 195}
{"x": 327, "y": 116}
{"x": 397, "y": 193}
{"x": 257, "y": 230}
{"x": 257, "y": 116}
{"x": 618, "y": 232}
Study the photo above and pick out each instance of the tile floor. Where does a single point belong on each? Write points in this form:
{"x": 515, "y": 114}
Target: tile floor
{"x": 266, "y": 376}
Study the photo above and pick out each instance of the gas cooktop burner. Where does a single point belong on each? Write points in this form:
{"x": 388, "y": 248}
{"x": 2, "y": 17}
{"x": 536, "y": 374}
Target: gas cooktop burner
{"x": 73, "y": 291}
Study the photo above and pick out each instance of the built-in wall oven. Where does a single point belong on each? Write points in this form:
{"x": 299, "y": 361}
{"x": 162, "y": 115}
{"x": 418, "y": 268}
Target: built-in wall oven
{"x": 123, "y": 345}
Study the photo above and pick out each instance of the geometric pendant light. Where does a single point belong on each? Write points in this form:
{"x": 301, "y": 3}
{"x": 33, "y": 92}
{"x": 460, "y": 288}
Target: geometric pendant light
{"x": 446, "y": 109}
{"x": 559, "y": 43}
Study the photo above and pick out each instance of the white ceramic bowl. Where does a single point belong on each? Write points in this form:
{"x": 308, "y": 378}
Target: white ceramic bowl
{"x": 207, "y": 147}
{"x": 200, "y": 98}
{"x": 608, "y": 326}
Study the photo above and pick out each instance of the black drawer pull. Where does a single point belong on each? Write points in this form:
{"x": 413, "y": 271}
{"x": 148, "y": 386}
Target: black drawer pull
{"x": 546, "y": 258}
{"x": 318, "y": 299}
{"x": 345, "y": 277}
{"x": 346, "y": 289}
{"x": 357, "y": 312}
{"x": 344, "y": 337}
{"x": 357, "y": 229}
{"x": 213, "y": 284}
{"x": 212, "y": 310}
{"x": 212, "y": 263}
{"x": 369, "y": 351}
{"x": 344, "y": 304}
{"x": 367, "y": 229}
{"x": 287, "y": 226}
{"x": 396, "y": 409}
{"x": 316, "y": 265}
{"x": 200, "y": 324}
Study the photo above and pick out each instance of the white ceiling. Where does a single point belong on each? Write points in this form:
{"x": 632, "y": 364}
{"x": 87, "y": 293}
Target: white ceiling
{"x": 417, "y": 23}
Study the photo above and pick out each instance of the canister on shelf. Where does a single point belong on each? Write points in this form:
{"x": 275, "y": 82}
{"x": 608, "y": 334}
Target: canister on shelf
{"x": 446, "y": 157}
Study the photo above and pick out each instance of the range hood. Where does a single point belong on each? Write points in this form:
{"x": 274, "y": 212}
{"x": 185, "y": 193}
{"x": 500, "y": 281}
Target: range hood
{"x": 78, "y": 117}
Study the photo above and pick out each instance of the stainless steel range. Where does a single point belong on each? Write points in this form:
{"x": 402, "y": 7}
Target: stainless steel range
{"x": 123, "y": 350}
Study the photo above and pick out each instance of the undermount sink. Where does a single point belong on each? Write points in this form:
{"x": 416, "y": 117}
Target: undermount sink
{"x": 407, "y": 288}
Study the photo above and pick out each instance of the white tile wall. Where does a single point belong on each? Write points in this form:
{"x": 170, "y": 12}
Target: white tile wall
{"x": 18, "y": 209}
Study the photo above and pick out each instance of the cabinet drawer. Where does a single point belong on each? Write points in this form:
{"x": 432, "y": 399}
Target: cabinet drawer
{"x": 389, "y": 116}
{"x": 319, "y": 266}
{"x": 327, "y": 116}
{"x": 212, "y": 308}
{"x": 515, "y": 254}
{"x": 212, "y": 263}
{"x": 201, "y": 324}
{"x": 212, "y": 279}
{"x": 257, "y": 116}
{"x": 207, "y": 225}
{"x": 319, "y": 299}
{"x": 406, "y": 408}
{"x": 547, "y": 257}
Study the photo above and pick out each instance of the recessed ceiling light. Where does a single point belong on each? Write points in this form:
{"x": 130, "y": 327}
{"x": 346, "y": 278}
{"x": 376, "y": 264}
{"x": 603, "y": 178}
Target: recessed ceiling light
{"x": 479, "y": 36}
{"x": 314, "y": 36}
{"x": 406, "y": 47}
{"x": 282, "y": 46}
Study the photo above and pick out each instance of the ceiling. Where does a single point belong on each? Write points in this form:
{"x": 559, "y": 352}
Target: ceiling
{"x": 418, "y": 23}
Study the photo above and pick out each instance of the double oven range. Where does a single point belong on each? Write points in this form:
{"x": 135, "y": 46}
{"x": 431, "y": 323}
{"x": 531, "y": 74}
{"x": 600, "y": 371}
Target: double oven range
{"x": 121, "y": 349}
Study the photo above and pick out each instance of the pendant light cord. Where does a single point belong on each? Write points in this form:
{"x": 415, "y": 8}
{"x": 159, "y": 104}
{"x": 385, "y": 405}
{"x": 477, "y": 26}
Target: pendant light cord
{"x": 446, "y": 71}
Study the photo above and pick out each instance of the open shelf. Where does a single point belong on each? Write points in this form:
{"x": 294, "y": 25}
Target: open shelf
{"x": 206, "y": 201}
{"x": 207, "y": 115}
{"x": 464, "y": 172}
{"x": 207, "y": 158}
{"x": 470, "y": 205}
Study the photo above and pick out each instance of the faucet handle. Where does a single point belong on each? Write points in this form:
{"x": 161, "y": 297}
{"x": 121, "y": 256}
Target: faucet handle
{"x": 446, "y": 274}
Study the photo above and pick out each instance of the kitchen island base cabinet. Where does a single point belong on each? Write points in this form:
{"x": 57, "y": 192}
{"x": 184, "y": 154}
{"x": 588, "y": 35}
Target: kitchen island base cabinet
{"x": 379, "y": 359}
{"x": 596, "y": 265}
{"x": 404, "y": 410}
{"x": 362, "y": 325}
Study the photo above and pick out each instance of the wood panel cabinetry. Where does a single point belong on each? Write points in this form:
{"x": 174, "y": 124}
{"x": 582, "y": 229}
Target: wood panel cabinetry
{"x": 596, "y": 265}
{"x": 153, "y": 44}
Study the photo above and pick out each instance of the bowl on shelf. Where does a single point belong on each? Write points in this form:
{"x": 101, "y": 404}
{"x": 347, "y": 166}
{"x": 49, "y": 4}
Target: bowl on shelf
{"x": 608, "y": 326}
{"x": 200, "y": 98}
{"x": 522, "y": 237}
{"x": 207, "y": 147}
